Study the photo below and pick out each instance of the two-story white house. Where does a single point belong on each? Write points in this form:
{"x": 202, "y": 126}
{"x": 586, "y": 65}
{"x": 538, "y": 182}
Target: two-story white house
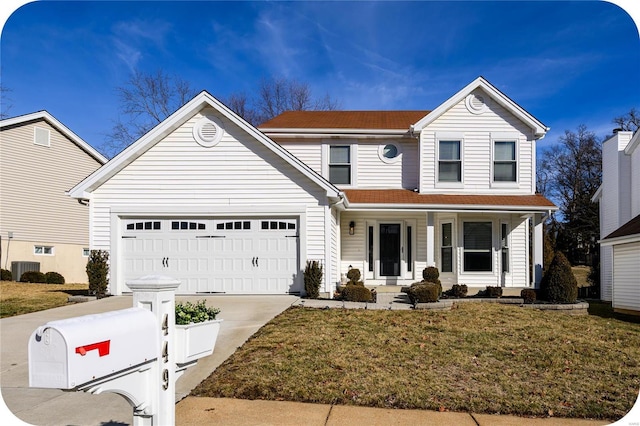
{"x": 226, "y": 207}
{"x": 619, "y": 199}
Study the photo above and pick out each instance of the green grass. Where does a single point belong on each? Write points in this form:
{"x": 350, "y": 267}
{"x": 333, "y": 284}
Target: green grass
{"x": 22, "y": 298}
{"x": 481, "y": 358}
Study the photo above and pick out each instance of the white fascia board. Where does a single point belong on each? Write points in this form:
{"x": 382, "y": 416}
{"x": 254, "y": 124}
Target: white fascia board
{"x": 450, "y": 208}
{"x": 44, "y": 115}
{"x": 175, "y": 120}
{"x": 539, "y": 129}
{"x": 620, "y": 240}
{"x": 633, "y": 143}
{"x": 597, "y": 195}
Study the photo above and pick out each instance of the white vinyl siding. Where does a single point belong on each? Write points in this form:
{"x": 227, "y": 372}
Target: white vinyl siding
{"x": 373, "y": 172}
{"x": 477, "y": 131}
{"x": 626, "y": 270}
{"x": 236, "y": 176}
{"x": 309, "y": 153}
{"x": 33, "y": 182}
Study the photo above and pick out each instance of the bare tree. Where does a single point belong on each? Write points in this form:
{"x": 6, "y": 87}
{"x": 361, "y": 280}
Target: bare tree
{"x": 5, "y": 101}
{"x": 145, "y": 101}
{"x": 629, "y": 121}
{"x": 570, "y": 173}
{"x": 241, "y": 105}
{"x": 277, "y": 95}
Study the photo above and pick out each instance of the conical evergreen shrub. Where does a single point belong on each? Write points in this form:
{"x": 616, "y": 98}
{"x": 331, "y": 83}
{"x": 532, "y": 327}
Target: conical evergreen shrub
{"x": 559, "y": 285}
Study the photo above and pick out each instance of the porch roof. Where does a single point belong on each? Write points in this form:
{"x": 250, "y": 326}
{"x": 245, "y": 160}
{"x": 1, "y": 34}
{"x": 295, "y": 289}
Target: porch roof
{"x": 630, "y": 228}
{"x": 404, "y": 198}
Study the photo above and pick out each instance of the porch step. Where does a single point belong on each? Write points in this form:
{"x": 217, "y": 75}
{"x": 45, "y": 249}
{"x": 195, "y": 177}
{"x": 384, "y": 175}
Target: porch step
{"x": 387, "y": 298}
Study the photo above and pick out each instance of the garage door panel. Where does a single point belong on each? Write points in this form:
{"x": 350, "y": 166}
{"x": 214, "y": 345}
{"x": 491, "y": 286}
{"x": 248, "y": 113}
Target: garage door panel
{"x": 235, "y": 256}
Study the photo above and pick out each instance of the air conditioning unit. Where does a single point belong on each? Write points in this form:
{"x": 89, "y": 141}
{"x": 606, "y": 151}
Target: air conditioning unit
{"x": 19, "y": 268}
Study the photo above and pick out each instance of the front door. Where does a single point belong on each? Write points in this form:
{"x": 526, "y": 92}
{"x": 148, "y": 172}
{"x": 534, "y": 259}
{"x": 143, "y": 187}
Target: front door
{"x": 390, "y": 249}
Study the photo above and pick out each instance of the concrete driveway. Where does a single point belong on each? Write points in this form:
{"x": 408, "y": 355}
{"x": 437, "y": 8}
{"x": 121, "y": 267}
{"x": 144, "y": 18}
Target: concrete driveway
{"x": 243, "y": 316}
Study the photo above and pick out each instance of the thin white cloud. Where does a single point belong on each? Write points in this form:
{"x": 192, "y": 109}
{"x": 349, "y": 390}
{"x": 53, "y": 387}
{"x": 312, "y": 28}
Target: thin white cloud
{"x": 131, "y": 38}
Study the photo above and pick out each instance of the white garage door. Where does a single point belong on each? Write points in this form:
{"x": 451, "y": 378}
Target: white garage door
{"x": 235, "y": 255}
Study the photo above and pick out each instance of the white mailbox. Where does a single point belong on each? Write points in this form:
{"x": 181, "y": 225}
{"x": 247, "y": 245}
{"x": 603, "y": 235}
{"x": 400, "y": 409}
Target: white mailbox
{"x": 68, "y": 353}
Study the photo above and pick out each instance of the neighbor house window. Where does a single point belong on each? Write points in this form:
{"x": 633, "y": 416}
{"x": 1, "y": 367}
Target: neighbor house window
{"x": 340, "y": 165}
{"x": 504, "y": 237}
{"x": 449, "y": 161}
{"x": 86, "y": 252}
{"x": 477, "y": 246}
{"x": 446, "y": 248}
{"x": 504, "y": 161}
{"x": 44, "y": 250}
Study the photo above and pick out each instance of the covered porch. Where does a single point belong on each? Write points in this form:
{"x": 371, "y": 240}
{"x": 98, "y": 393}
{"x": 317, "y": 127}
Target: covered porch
{"x": 392, "y": 235}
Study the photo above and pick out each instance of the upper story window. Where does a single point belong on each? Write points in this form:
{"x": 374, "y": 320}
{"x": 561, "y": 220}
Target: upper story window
{"x": 505, "y": 165}
{"x": 389, "y": 153}
{"x": 340, "y": 164}
{"x": 449, "y": 161}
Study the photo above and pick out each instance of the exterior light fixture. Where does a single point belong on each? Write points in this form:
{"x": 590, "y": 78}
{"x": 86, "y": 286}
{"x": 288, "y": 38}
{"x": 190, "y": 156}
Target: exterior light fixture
{"x": 352, "y": 227}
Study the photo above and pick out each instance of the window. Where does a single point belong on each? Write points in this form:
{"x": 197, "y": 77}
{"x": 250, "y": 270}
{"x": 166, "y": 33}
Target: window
{"x": 504, "y": 236}
{"x": 193, "y": 226}
{"x": 278, "y": 225}
{"x": 43, "y": 250}
{"x": 370, "y": 247}
{"x": 446, "y": 248}
{"x": 237, "y": 225}
{"x": 449, "y": 161}
{"x": 155, "y": 226}
{"x": 477, "y": 246}
{"x": 504, "y": 161}
{"x": 389, "y": 153}
{"x": 409, "y": 247}
{"x": 86, "y": 252}
{"x": 340, "y": 165}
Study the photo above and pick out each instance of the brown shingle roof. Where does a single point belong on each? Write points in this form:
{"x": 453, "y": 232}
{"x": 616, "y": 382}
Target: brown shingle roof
{"x": 344, "y": 120}
{"x": 405, "y": 196}
{"x": 630, "y": 228}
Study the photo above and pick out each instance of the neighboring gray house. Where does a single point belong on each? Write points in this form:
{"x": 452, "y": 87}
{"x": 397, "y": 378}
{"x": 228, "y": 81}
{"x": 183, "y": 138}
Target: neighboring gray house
{"x": 41, "y": 159}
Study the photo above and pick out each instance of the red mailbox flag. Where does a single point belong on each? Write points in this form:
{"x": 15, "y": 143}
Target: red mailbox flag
{"x": 102, "y": 347}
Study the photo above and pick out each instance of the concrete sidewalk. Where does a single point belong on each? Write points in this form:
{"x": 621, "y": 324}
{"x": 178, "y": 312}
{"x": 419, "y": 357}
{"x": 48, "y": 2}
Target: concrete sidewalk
{"x": 243, "y": 316}
{"x": 236, "y": 412}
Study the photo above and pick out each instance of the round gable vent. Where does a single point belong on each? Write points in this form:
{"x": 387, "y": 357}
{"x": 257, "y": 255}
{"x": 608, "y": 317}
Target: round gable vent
{"x": 208, "y": 131}
{"x": 477, "y": 103}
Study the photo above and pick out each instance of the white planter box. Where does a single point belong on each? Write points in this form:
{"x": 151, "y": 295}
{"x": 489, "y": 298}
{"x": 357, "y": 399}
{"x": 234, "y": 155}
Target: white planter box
{"x": 194, "y": 341}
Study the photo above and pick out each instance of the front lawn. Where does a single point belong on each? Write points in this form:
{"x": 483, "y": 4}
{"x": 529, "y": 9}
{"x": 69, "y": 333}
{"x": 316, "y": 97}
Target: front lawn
{"x": 22, "y": 298}
{"x": 481, "y": 358}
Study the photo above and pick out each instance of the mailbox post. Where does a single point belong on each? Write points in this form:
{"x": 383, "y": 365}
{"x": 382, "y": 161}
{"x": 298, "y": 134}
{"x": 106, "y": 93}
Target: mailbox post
{"x": 158, "y": 295}
{"x": 129, "y": 352}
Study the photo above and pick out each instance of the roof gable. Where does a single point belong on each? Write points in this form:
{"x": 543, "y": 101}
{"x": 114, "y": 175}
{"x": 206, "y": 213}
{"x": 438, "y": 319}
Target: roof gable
{"x": 480, "y": 83}
{"x": 64, "y": 130}
{"x": 633, "y": 143}
{"x": 175, "y": 120}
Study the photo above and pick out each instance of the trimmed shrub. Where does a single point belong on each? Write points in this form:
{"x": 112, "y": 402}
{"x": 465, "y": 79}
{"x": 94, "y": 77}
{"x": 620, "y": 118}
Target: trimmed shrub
{"x": 353, "y": 275}
{"x": 98, "y": 272}
{"x": 312, "y": 278}
{"x": 6, "y": 275}
{"x": 423, "y": 292}
{"x": 356, "y": 293}
{"x": 493, "y": 292}
{"x": 54, "y": 278}
{"x": 559, "y": 285}
{"x": 457, "y": 290}
{"x": 33, "y": 277}
{"x": 529, "y": 295}
{"x": 431, "y": 274}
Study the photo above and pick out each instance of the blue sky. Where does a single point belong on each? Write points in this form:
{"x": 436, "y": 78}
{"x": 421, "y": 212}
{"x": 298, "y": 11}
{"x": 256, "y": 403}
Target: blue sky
{"x": 567, "y": 63}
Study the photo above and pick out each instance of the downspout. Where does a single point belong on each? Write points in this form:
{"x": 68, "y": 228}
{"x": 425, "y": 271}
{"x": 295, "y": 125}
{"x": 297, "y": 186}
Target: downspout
{"x": 328, "y": 285}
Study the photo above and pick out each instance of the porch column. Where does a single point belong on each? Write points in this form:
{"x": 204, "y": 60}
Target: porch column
{"x": 431, "y": 250}
{"x": 538, "y": 258}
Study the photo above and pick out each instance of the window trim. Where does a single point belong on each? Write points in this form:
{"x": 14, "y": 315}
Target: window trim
{"x": 44, "y": 248}
{"x": 392, "y": 160}
{"x": 452, "y": 246}
{"x": 88, "y": 250}
{"x": 490, "y": 250}
{"x": 505, "y": 137}
{"x": 449, "y": 137}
